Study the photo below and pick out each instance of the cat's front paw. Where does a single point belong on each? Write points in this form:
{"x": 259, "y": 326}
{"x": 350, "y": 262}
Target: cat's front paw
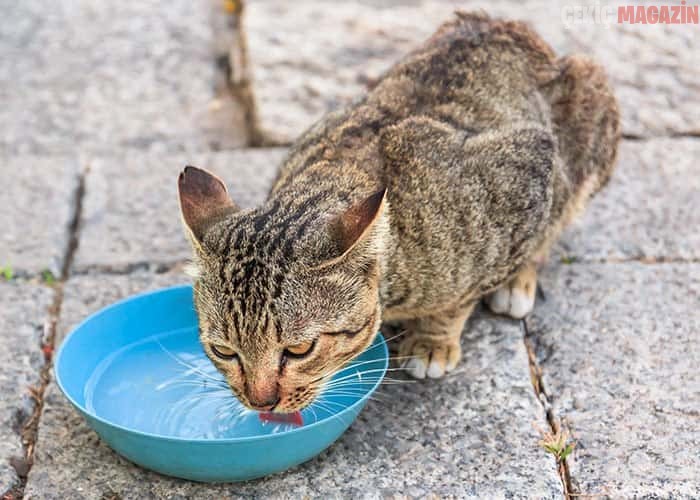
{"x": 511, "y": 302}
{"x": 516, "y": 298}
{"x": 427, "y": 356}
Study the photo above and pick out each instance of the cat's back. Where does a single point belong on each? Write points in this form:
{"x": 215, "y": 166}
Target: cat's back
{"x": 474, "y": 74}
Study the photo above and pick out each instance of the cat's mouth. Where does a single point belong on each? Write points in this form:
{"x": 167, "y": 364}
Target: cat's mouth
{"x": 284, "y": 404}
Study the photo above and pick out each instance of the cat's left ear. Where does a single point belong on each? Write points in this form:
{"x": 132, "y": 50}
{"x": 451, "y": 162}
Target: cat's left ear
{"x": 204, "y": 201}
{"x": 359, "y": 224}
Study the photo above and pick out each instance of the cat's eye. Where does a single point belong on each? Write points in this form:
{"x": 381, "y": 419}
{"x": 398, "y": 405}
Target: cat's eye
{"x": 300, "y": 350}
{"x": 223, "y": 352}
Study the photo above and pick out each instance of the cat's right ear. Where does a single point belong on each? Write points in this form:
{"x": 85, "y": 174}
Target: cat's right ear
{"x": 204, "y": 201}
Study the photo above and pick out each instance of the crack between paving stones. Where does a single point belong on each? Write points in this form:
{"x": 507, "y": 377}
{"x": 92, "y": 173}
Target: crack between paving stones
{"x": 30, "y": 426}
{"x": 553, "y": 422}
{"x": 686, "y": 134}
{"x": 647, "y": 260}
{"x": 131, "y": 267}
{"x": 240, "y": 83}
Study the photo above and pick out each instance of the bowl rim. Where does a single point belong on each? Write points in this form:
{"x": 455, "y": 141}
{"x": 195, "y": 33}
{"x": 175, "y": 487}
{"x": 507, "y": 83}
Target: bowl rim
{"x": 82, "y": 409}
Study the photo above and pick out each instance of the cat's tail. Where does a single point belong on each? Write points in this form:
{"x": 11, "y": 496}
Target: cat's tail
{"x": 586, "y": 122}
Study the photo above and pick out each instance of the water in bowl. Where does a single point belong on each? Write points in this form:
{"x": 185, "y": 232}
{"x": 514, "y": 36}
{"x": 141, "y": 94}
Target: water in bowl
{"x": 165, "y": 385}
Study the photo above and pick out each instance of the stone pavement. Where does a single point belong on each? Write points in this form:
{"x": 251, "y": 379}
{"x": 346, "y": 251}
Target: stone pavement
{"x": 109, "y": 76}
{"x": 130, "y": 204}
{"x": 104, "y": 103}
{"x": 307, "y": 58}
{"x": 25, "y": 314}
{"x": 618, "y": 349}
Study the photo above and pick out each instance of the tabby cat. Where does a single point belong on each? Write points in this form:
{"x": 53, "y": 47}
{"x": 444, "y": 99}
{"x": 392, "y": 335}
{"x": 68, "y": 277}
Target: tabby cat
{"x": 447, "y": 183}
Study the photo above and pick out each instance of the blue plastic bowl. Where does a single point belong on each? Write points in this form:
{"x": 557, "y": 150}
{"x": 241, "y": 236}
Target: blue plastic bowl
{"x": 137, "y": 373}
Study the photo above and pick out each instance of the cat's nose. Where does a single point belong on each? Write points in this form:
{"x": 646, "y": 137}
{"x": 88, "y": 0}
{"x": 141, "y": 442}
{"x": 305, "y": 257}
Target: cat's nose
{"x": 263, "y": 397}
{"x": 268, "y": 405}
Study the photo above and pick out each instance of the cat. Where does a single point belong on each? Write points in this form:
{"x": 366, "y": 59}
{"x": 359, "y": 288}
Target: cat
{"x": 444, "y": 185}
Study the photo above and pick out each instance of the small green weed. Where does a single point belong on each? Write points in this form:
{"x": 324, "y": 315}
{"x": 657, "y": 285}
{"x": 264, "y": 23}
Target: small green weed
{"x": 48, "y": 277}
{"x": 7, "y": 273}
{"x": 568, "y": 259}
{"x": 557, "y": 444}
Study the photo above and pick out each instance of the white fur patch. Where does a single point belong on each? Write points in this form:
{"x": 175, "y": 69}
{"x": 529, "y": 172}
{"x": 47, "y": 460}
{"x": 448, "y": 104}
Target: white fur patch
{"x": 435, "y": 370}
{"x": 511, "y": 302}
{"x": 191, "y": 269}
{"x": 520, "y": 304}
{"x": 416, "y": 368}
{"x": 499, "y": 301}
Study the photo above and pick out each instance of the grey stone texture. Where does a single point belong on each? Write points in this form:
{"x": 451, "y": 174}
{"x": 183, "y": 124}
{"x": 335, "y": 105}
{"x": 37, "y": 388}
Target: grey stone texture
{"x": 107, "y": 76}
{"x": 619, "y": 348}
{"x": 131, "y": 214}
{"x": 37, "y": 204}
{"x": 469, "y": 435}
{"x": 647, "y": 212}
{"x": 311, "y": 56}
{"x": 23, "y": 317}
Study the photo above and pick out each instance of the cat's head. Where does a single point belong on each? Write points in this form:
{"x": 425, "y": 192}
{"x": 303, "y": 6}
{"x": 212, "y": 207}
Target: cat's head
{"x": 286, "y": 293}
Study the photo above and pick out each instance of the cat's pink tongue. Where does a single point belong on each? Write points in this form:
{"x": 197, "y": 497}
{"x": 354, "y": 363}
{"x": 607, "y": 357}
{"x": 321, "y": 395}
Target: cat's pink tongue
{"x": 282, "y": 418}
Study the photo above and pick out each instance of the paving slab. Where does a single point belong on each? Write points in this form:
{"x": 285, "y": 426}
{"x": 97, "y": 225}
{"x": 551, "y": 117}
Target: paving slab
{"x": 646, "y": 211}
{"x": 470, "y": 435}
{"x": 106, "y": 76}
{"x": 619, "y": 348}
{"x": 311, "y": 56}
{"x": 131, "y": 213}
{"x": 37, "y": 201}
{"x": 24, "y": 313}
{"x": 654, "y": 69}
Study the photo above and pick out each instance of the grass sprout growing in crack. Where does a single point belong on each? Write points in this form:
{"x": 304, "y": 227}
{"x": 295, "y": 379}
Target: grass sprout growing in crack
{"x": 48, "y": 277}
{"x": 557, "y": 443}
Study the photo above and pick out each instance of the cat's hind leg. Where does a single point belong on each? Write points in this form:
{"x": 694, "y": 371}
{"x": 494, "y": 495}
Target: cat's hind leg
{"x": 431, "y": 346}
{"x": 517, "y": 297}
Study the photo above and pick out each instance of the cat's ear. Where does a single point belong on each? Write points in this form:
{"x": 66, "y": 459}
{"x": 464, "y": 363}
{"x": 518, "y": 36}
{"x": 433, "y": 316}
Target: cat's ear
{"x": 355, "y": 225}
{"x": 204, "y": 201}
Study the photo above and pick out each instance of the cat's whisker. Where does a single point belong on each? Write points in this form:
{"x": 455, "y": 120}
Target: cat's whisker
{"x": 357, "y": 390}
{"x": 390, "y": 358}
{"x": 191, "y": 401}
{"x": 311, "y": 409}
{"x": 373, "y": 377}
{"x": 319, "y": 404}
{"x": 333, "y": 414}
{"x": 366, "y": 380}
{"x": 235, "y": 412}
{"x": 373, "y": 397}
{"x": 205, "y": 385}
{"x": 364, "y": 387}
{"x": 192, "y": 383}
{"x": 359, "y": 374}
{"x": 187, "y": 365}
{"x": 353, "y": 364}
{"x": 362, "y": 390}
{"x": 335, "y": 403}
{"x": 386, "y": 341}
